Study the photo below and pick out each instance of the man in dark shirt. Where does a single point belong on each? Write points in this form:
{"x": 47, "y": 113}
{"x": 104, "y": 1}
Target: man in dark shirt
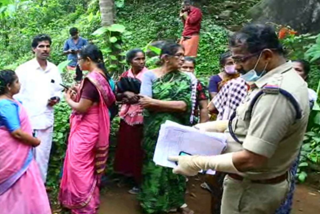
{"x": 72, "y": 47}
{"x": 191, "y": 17}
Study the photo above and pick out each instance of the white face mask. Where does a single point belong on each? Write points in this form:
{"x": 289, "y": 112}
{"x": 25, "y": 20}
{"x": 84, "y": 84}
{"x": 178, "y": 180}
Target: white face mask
{"x": 252, "y": 76}
{"x": 230, "y": 69}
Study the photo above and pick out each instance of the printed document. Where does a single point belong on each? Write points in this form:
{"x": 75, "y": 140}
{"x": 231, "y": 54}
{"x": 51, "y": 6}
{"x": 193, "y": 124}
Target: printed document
{"x": 175, "y": 138}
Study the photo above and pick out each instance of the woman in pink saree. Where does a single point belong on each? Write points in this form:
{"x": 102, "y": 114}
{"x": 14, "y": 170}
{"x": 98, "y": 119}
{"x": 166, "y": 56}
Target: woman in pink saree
{"x": 88, "y": 142}
{"x": 21, "y": 187}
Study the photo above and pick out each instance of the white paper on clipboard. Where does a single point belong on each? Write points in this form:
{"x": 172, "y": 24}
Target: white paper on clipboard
{"x": 175, "y": 138}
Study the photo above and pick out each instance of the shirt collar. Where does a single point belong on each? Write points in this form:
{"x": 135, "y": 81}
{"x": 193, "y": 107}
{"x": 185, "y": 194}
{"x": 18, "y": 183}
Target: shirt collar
{"x": 36, "y": 65}
{"x": 79, "y": 39}
{"x": 265, "y": 79}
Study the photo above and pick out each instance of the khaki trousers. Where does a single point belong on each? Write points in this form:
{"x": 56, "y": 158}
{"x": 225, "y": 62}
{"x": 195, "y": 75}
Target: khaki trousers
{"x": 252, "y": 198}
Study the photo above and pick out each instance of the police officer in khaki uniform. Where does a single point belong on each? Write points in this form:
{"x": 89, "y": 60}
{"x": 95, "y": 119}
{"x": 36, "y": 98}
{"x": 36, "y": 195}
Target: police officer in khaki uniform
{"x": 265, "y": 135}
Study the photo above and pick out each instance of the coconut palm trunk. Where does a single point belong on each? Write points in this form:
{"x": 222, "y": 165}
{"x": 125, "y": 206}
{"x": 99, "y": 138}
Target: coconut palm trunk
{"x": 107, "y": 12}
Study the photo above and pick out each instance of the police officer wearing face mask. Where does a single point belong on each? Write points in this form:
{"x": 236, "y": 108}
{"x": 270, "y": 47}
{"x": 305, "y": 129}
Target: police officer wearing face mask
{"x": 266, "y": 131}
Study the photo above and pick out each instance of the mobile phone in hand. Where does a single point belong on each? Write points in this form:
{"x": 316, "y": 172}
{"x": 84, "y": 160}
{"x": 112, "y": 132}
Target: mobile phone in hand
{"x": 64, "y": 86}
{"x": 182, "y": 153}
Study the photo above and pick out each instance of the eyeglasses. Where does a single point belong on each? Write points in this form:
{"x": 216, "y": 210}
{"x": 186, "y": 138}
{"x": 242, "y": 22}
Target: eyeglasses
{"x": 243, "y": 59}
{"x": 179, "y": 56}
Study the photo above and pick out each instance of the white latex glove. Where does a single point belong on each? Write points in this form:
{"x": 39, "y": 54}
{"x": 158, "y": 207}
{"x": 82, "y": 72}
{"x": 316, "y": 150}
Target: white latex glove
{"x": 191, "y": 165}
{"x": 213, "y": 126}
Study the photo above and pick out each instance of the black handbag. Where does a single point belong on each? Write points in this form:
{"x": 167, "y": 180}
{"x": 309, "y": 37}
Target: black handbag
{"x": 128, "y": 84}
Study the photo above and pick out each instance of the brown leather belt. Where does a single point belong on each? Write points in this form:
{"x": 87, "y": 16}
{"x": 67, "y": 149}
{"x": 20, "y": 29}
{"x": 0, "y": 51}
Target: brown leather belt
{"x": 275, "y": 180}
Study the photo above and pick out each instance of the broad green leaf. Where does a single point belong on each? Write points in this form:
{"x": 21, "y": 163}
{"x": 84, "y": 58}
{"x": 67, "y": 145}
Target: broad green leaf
{"x": 63, "y": 65}
{"x": 113, "y": 39}
{"x": 317, "y": 139}
{"x": 90, "y": 17}
{"x": 113, "y": 66}
{"x": 145, "y": 48}
{"x": 316, "y": 119}
{"x": 311, "y": 134}
{"x": 305, "y": 138}
{"x": 100, "y": 31}
{"x": 106, "y": 50}
{"x": 118, "y": 46}
{"x": 316, "y": 106}
{"x": 302, "y": 177}
{"x": 112, "y": 57}
{"x": 318, "y": 39}
{"x": 119, "y": 3}
{"x": 117, "y": 28}
{"x": 315, "y": 56}
{"x": 306, "y": 147}
{"x": 154, "y": 49}
{"x": 303, "y": 164}
{"x": 312, "y": 158}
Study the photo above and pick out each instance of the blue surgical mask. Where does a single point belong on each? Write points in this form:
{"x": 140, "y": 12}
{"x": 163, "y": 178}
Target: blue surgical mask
{"x": 252, "y": 76}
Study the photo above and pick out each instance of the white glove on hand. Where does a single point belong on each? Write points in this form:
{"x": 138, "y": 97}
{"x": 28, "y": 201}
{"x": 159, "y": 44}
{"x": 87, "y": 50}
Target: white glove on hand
{"x": 213, "y": 126}
{"x": 191, "y": 165}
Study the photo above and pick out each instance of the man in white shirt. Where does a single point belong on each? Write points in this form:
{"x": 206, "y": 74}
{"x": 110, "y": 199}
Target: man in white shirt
{"x": 40, "y": 91}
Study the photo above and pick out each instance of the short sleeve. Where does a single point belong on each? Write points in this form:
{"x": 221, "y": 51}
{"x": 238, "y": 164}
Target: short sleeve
{"x": 146, "y": 85}
{"x": 66, "y": 46}
{"x": 201, "y": 91}
{"x": 213, "y": 83}
{"x": 9, "y": 115}
{"x": 90, "y": 92}
{"x": 271, "y": 117}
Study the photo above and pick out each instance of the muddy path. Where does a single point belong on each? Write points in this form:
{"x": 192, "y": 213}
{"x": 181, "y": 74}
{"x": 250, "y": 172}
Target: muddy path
{"x": 117, "y": 200}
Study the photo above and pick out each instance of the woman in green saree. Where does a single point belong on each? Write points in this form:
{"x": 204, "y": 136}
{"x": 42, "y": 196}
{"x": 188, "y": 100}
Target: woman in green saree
{"x": 165, "y": 95}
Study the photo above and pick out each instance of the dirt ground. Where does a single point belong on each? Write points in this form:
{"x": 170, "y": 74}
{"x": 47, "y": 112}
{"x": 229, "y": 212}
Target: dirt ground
{"x": 116, "y": 200}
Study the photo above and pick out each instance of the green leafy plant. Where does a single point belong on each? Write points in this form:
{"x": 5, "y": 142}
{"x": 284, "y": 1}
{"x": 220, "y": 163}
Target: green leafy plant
{"x": 310, "y": 154}
{"x": 59, "y": 146}
{"x": 110, "y": 40}
{"x": 313, "y": 53}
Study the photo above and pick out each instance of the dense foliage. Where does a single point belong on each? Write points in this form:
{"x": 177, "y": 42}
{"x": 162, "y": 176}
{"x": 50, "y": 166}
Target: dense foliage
{"x": 140, "y": 22}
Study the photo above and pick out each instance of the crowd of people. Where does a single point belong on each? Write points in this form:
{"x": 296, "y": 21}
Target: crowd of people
{"x": 259, "y": 99}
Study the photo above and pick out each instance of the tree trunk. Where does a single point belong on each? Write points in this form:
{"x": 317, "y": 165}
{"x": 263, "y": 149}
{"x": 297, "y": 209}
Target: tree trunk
{"x": 107, "y": 12}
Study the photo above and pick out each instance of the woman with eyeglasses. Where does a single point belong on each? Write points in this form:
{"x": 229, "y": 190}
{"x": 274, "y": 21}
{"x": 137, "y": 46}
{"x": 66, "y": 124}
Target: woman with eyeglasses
{"x": 88, "y": 142}
{"x": 165, "y": 95}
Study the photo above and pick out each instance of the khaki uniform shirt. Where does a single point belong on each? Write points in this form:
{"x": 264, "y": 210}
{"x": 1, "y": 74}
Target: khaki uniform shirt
{"x": 272, "y": 130}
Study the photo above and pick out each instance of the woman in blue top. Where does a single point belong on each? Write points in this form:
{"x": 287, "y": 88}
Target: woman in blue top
{"x": 227, "y": 73}
{"x": 21, "y": 187}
